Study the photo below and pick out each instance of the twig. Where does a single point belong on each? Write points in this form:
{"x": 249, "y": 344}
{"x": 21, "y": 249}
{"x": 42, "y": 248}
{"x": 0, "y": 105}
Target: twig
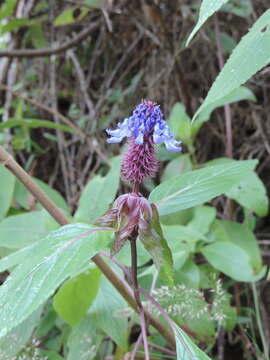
{"x": 62, "y": 219}
{"x": 30, "y": 53}
{"x": 136, "y": 347}
{"x": 227, "y": 109}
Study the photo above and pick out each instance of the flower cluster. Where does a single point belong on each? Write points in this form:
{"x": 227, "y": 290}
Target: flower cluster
{"x": 147, "y": 120}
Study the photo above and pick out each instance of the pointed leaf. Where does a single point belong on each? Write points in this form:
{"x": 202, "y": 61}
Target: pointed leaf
{"x": 207, "y": 9}
{"x": 198, "y": 186}
{"x": 48, "y": 263}
{"x": 155, "y": 243}
{"x": 7, "y": 183}
{"x": 248, "y": 57}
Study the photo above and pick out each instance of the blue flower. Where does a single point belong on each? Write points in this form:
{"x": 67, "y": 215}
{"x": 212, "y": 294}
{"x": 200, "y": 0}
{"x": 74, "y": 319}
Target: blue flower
{"x": 146, "y": 120}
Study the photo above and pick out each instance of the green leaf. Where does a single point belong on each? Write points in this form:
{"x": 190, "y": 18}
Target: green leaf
{"x": 189, "y": 274}
{"x": 68, "y": 16}
{"x": 241, "y": 93}
{"x": 241, "y": 8}
{"x": 83, "y": 340}
{"x": 15, "y": 340}
{"x": 46, "y": 265}
{"x": 251, "y": 194}
{"x": 155, "y": 243}
{"x": 180, "y": 123}
{"x": 23, "y": 196}
{"x": 177, "y": 166}
{"x": 198, "y": 186}
{"x": 14, "y": 24}
{"x": 249, "y": 56}
{"x": 231, "y": 259}
{"x": 34, "y": 124}
{"x": 106, "y": 313}
{"x": 7, "y": 8}
{"x": 7, "y": 183}
{"x": 185, "y": 347}
{"x": 207, "y": 9}
{"x": 203, "y": 217}
{"x": 76, "y": 295}
{"x": 20, "y": 230}
{"x": 230, "y": 231}
{"x": 98, "y": 194}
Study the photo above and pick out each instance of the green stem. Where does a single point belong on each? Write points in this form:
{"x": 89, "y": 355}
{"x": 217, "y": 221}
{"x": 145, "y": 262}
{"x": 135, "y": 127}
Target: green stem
{"x": 259, "y": 320}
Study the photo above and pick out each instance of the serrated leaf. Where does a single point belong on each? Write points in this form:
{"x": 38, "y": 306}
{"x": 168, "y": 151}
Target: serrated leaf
{"x": 98, "y": 194}
{"x": 198, "y": 186}
{"x": 248, "y": 57}
{"x": 76, "y": 295}
{"x": 7, "y": 183}
{"x": 155, "y": 243}
{"x": 207, "y": 9}
{"x": 48, "y": 263}
{"x": 185, "y": 347}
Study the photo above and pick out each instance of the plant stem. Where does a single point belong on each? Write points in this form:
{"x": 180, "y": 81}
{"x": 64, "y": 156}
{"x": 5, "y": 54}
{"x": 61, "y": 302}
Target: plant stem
{"x": 7, "y": 160}
{"x": 136, "y": 290}
{"x": 259, "y": 321}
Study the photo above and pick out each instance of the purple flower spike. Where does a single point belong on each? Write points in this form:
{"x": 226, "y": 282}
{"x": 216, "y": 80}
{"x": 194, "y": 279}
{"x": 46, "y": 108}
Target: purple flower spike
{"x": 146, "y": 121}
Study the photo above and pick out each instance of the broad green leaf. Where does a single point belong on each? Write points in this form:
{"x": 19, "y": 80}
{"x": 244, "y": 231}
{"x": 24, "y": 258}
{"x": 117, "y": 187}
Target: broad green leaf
{"x": 68, "y": 16}
{"x": 180, "y": 123}
{"x": 203, "y": 217}
{"x": 249, "y": 56}
{"x": 207, "y": 9}
{"x": 230, "y": 231}
{"x": 198, "y": 186}
{"x": 107, "y": 314}
{"x": 15, "y": 340}
{"x": 84, "y": 340}
{"x": 20, "y": 230}
{"x": 155, "y": 243}
{"x": 76, "y": 295}
{"x": 182, "y": 238}
{"x": 14, "y": 24}
{"x": 34, "y": 124}
{"x": 7, "y": 183}
{"x": 231, "y": 259}
{"x": 251, "y": 194}
{"x": 25, "y": 199}
{"x": 241, "y": 8}
{"x": 189, "y": 274}
{"x": 46, "y": 265}
{"x": 185, "y": 347}
{"x": 7, "y": 8}
{"x": 98, "y": 194}
{"x": 241, "y": 93}
{"x": 177, "y": 166}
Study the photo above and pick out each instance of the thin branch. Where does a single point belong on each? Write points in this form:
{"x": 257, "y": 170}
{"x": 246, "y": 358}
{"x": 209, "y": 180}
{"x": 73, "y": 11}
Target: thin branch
{"x": 30, "y": 53}
{"x": 62, "y": 219}
{"x": 227, "y": 109}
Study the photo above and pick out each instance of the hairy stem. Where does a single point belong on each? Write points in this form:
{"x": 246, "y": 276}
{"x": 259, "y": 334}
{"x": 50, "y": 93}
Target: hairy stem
{"x": 62, "y": 219}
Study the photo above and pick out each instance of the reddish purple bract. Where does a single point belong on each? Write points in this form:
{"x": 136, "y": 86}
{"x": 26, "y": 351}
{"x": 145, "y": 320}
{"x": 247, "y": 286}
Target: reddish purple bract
{"x": 140, "y": 162}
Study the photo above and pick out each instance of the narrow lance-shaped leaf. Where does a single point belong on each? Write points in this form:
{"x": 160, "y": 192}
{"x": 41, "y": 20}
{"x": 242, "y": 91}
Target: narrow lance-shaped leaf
{"x": 50, "y": 262}
{"x": 249, "y": 56}
{"x": 153, "y": 240}
{"x": 198, "y": 186}
{"x": 207, "y": 9}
